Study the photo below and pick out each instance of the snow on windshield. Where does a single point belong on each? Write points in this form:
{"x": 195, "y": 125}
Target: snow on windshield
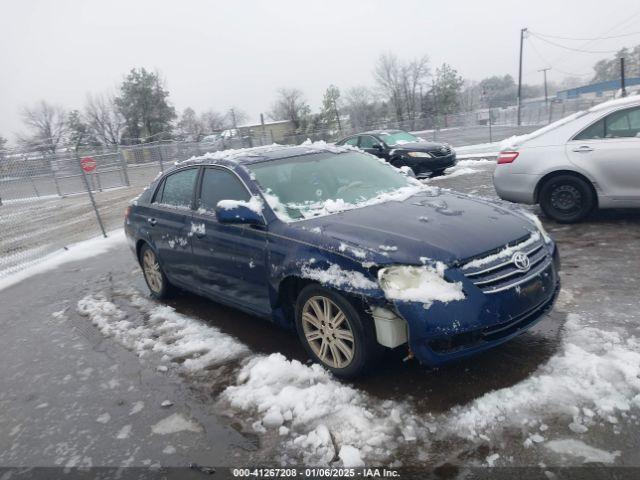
{"x": 315, "y": 185}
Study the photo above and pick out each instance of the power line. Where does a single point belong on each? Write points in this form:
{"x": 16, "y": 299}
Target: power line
{"x": 584, "y": 39}
{"x": 573, "y": 49}
{"x": 546, "y": 62}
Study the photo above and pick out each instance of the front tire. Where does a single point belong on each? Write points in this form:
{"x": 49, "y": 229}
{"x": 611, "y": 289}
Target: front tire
{"x": 154, "y": 276}
{"x": 333, "y": 333}
{"x": 566, "y": 198}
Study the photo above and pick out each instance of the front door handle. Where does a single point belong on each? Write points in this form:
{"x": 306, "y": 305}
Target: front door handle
{"x": 583, "y": 149}
{"x": 152, "y": 221}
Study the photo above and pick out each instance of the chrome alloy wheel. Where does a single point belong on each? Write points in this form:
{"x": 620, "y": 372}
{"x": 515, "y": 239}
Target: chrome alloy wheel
{"x": 327, "y": 331}
{"x": 151, "y": 269}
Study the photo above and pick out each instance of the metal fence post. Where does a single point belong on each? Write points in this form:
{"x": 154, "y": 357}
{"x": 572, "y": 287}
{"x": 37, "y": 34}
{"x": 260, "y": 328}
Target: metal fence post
{"x": 55, "y": 178}
{"x": 93, "y": 202}
{"x": 160, "y": 157}
{"x": 125, "y": 172}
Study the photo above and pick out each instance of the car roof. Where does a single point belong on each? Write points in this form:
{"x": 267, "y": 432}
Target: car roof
{"x": 246, "y": 156}
{"x": 379, "y": 132}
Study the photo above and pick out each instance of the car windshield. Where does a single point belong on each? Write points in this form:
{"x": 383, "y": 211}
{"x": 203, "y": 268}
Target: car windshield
{"x": 319, "y": 184}
{"x": 398, "y": 138}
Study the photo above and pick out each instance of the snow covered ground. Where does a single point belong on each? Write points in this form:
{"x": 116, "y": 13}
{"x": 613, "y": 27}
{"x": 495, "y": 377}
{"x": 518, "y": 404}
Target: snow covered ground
{"x": 568, "y": 393}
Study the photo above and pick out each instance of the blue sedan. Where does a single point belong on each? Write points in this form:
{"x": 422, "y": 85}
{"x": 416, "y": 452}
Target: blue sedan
{"x": 346, "y": 249}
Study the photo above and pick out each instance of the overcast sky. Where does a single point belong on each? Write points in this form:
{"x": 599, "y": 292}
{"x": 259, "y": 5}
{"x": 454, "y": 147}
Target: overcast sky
{"x": 215, "y": 54}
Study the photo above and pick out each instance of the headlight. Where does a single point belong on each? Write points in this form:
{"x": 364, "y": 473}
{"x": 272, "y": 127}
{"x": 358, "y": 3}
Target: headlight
{"x": 425, "y": 284}
{"x": 534, "y": 218}
{"x": 419, "y": 154}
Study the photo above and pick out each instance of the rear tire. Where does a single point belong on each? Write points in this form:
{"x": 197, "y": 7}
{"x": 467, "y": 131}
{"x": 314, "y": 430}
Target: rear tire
{"x": 566, "y": 198}
{"x": 333, "y": 333}
{"x": 154, "y": 276}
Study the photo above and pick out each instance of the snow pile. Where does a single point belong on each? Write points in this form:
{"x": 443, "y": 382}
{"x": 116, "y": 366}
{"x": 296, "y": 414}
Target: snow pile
{"x": 319, "y": 417}
{"x": 358, "y": 252}
{"x": 191, "y": 343}
{"x": 505, "y": 253}
{"x": 424, "y": 284}
{"x": 594, "y": 378}
{"x": 336, "y": 276}
{"x": 72, "y": 253}
{"x": 576, "y": 448}
{"x": 254, "y": 204}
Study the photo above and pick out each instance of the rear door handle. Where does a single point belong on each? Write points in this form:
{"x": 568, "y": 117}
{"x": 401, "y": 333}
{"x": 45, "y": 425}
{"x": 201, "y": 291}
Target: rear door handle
{"x": 152, "y": 221}
{"x": 583, "y": 149}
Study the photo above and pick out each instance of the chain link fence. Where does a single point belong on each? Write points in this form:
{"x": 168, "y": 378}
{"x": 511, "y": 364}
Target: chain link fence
{"x": 45, "y": 203}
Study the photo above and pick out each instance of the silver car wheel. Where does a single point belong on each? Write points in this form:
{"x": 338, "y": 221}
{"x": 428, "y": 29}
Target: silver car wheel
{"x": 328, "y": 332}
{"x": 151, "y": 269}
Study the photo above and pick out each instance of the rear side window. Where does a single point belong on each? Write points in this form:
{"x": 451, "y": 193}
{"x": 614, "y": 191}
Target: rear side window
{"x": 623, "y": 124}
{"x": 219, "y": 184}
{"x": 352, "y": 141}
{"x": 591, "y": 132}
{"x": 177, "y": 188}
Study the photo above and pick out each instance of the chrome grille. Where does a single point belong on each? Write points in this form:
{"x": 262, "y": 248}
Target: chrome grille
{"x": 500, "y": 273}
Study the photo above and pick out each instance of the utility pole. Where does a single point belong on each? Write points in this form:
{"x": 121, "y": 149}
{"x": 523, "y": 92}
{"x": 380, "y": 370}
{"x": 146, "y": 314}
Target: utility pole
{"x": 622, "y": 85}
{"x": 546, "y": 96}
{"x": 522, "y": 32}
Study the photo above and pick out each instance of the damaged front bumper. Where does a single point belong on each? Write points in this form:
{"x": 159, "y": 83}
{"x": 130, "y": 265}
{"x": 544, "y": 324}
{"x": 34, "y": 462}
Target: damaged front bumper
{"x": 444, "y": 332}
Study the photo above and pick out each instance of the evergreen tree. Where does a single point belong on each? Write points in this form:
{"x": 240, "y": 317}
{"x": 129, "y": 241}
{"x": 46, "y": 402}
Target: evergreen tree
{"x": 143, "y": 102}
{"x": 330, "y": 112}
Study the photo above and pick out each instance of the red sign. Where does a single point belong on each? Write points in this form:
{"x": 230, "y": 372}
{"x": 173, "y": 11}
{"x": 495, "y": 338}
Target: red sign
{"x": 88, "y": 164}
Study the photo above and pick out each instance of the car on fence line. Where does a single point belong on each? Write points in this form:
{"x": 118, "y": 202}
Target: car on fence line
{"x": 402, "y": 149}
{"x": 348, "y": 250}
{"x": 587, "y": 160}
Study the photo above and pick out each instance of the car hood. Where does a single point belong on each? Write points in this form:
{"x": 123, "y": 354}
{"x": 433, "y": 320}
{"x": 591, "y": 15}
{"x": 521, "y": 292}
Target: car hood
{"x": 418, "y": 146}
{"x": 439, "y": 225}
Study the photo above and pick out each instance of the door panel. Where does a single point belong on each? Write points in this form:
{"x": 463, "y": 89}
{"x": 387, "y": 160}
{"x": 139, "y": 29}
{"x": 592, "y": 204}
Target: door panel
{"x": 167, "y": 224}
{"x": 230, "y": 260}
{"x": 609, "y": 151}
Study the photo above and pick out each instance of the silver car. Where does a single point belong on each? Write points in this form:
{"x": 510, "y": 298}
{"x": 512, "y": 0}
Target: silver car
{"x": 588, "y": 160}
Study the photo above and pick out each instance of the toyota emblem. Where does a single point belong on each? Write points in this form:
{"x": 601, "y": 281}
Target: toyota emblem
{"x": 521, "y": 261}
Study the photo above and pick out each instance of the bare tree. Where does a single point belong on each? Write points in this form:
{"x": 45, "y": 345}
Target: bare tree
{"x": 104, "y": 118}
{"x": 402, "y": 83}
{"x": 359, "y": 104}
{"x": 47, "y": 127}
{"x": 213, "y": 121}
{"x": 414, "y": 76}
{"x": 387, "y": 74}
{"x": 3, "y": 146}
{"x": 290, "y": 105}
{"x": 190, "y": 126}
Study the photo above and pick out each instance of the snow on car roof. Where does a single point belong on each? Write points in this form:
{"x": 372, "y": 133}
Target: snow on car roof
{"x": 629, "y": 100}
{"x": 265, "y": 153}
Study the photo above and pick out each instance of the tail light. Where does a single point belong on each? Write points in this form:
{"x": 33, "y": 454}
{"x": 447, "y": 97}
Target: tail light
{"x": 127, "y": 211}
{"x": 507, "y": 157}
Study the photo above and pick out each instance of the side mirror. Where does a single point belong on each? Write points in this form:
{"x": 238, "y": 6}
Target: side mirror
{"x": 230, "y": 211}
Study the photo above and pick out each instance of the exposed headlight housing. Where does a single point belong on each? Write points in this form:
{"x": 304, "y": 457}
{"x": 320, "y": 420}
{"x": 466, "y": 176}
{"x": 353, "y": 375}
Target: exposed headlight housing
{"x": 424, "y": 284}
{"x": 419, "y": 154}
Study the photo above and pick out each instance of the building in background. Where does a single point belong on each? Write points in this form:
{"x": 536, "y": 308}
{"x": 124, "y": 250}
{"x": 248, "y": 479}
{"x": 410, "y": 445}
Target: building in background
{"x": 279, "y": 131}
{"x": 601, "y": 90}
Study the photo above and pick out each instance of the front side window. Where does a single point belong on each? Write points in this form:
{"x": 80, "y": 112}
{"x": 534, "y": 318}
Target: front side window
{"x": 219, "y": 184}
{"x": 367, "y": 141}
{"x": 398, "y": 138}
{"x": 177, "y": 188}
